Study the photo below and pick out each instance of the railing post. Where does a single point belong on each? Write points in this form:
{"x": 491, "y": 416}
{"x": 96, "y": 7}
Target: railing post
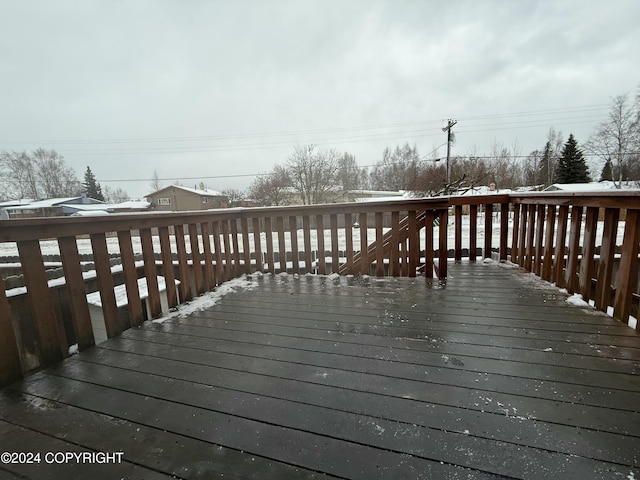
{"x": 588, "y": 253}
{"x": 150, "y": 273}
{"x": 457, "y": 213}
{"x": 364, "y": 245}
{"x": 335, "y": 251}
{"x": 130, "y": 277}
{"x": 414, "y": 244}
{"x": 348, "y": 233}
{"x": 76, "y": 291}
{"x": 442, "y": 240}
{"x": 167, "y": 266}
{"x": 10, "y": 367}
{"x": 537, "y": 266}
{"x": 105, "y": 284}
{"x": 504, "y": 230}
{"x": 306, "y": 227}
{"x": 196, "y": 261}
{"x": 547, "y": 262}
{"x": 293, "y": 232}
{"x": 209, "y": 275}
{"x": 282, "y": 246}
{"x": 379, "y": 246}
{"x": 561, "y": 239}
{"x": 394, "y": 256}
{"x": 269, "y": 233}
{"x": 322, "y": 265}
{"x": 183, "y": 267}
{"x": 488, "y": 230}
{"x": 246, "y": 246}
{"x": 237, "y": 268}
{"x": 607, "y": 252}
{"x": 628, "y": 269}
{"x": 531, "y": 222}
{"x": 570, "y": 275}
{"x": 515, "y": 240}
{"x": 428, "y": 248}
{"x": 257, "y": 242}
{"x": 473, "y": 232}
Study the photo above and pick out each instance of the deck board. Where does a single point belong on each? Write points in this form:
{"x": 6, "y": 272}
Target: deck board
{"x": 490, "y": 375}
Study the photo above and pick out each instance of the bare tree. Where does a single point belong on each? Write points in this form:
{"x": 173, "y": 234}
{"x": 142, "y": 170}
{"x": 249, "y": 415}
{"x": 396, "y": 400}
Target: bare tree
{"x": 114, "y": 195}
{"x": 550, "y": 156}
{"x": 235, "y": 196}
{"x": 314, "y": 174}
{"x": 272, "y": 188}
{"x": 155, "y": 181}
{"x": 397, "y": 169}
{"x": 43, "y": 174}
{"x": 617, "y": 139}
{"x": 350, "y": 175}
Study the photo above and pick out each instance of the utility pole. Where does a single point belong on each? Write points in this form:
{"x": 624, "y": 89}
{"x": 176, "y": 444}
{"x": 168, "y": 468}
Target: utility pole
{"x": 450, "y": 124}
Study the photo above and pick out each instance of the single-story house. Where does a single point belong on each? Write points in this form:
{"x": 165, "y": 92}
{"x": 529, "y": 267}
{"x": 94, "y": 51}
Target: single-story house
{"x": 176, "y": 198}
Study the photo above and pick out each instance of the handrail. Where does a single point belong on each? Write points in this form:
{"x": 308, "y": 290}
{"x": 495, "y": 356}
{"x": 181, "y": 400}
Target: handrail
{"x": 571, "y": 239}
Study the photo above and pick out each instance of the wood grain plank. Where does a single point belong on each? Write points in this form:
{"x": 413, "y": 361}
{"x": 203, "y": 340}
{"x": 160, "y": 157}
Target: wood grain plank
{"x": 167, "y": 266}
{"x": 605, "y": 264}
{"x": 130, "y": 271}
{"x": 105, "y": 284}
{"x": 457, "y": 218}
{"x": 196, "y": 259}
{"x": 10, "y": 367}
{"x": 560, "y": 249}
{"x": 186, "y": 293}
{"x": 571, "y": 273}
{"x": 295, "y": 253}
{"x": 628, "y": 269}
{"x": 76, "y": 290}
{"x": 322, "y": 264}
{"x": 150, "y": 272}
{"x": 473, "y": 233}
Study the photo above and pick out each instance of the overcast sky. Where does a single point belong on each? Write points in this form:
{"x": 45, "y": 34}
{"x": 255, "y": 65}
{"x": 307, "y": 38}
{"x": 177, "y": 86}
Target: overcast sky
{"x": 202, "y": 89}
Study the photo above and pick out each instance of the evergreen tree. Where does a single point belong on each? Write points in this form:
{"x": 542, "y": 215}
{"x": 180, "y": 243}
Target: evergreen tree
{"x": 572, "y": 167}
{"x": 607, "y": 172}
{"x": 91, "y": 187}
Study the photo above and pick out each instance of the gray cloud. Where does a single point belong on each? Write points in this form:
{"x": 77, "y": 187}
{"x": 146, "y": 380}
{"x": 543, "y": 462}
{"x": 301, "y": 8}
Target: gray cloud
{"x": 81, "y": 77}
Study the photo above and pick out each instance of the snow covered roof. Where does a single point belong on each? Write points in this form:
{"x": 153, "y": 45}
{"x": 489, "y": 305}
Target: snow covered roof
{"x": 14, "y": 203}
{"x": 130, "y": 204}
{"x": 203, "y": 192}
{"x": 48, "y": 203}
{"x": 591, "y": 187}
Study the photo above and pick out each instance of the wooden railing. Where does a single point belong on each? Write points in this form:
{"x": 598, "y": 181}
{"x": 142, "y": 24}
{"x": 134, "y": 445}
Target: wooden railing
{"x": 202, "y": 250}
{"x": 576, "y": 241}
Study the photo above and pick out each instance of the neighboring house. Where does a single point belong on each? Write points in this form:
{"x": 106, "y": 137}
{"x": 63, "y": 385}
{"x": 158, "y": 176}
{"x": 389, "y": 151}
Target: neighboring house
{"x": 55, "y": 207}
{"x": 6, "y": 206}
{"x": 176, "y": 198}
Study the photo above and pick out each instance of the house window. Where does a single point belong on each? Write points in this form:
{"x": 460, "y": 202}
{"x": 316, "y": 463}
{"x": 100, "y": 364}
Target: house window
{"x": 205, "y": 199}
{"x": 164, "y": 201}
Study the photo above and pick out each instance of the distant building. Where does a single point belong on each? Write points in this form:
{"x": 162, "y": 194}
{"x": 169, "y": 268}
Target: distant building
{"x": 176, "y": 198}
{"x": 54, "y": 207}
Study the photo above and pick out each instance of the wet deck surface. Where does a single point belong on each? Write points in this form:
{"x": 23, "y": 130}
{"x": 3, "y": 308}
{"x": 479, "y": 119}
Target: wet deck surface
{"x": 494, "y": 375}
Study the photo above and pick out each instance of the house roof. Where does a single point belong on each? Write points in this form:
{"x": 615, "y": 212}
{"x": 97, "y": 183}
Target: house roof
{"x": 591, "y": 187}
{"x": 14, "y": 203}
{"x": 204, "y": 193}
{"x": 48, "y": 203}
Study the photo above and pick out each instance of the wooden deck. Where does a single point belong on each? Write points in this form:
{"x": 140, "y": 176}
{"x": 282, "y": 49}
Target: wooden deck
{"x": 491, "y": 375}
